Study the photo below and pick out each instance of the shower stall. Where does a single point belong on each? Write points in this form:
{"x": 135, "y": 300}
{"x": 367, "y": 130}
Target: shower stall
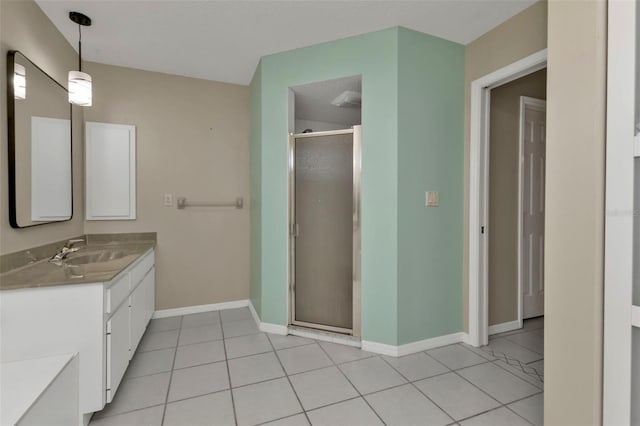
{"x": 324, "y": 224}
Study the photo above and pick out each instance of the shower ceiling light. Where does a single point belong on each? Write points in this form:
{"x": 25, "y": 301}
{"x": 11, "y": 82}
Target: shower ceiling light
{"x": 348, "y": 99}
{"x": 80, "y": 82}
{"x": 19, "y": 82}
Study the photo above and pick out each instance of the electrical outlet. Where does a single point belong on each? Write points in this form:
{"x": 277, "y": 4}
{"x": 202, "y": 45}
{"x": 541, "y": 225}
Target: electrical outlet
{"x": 168, "y": 200}
{"x": 433, "y": 199}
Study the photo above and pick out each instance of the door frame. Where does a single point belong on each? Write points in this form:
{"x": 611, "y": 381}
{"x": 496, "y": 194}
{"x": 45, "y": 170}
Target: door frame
{"x": 478, "y": 260}
{"x": 540, "y": 105}
{"x": 356, "y": 329}
{"x": 622, "y": 148}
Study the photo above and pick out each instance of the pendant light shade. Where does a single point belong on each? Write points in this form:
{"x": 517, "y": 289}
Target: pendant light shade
{"x": 80, "y": 90}
{"x": 19, "y": 82}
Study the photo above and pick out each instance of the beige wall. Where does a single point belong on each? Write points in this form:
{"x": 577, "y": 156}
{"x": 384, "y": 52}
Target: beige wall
{"x": 520, "y": 36}
{"x": 575, "y": 212}
{"x": 24, "y": 27}
{"x": 503, "y": 193}
{"x": 192, "y": 140}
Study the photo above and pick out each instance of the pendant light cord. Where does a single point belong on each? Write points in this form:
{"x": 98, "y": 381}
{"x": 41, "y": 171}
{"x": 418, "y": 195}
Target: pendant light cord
{"x": 79, "y": 47}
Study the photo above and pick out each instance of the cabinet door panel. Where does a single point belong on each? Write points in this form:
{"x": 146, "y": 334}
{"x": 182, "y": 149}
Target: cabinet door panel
{"x": 138, "y": 314}
{"x": 117, "y": 349}
{"x": 110, "y": 171}
{"x": 142, "y": 268}
{"x": 150, "y": 295}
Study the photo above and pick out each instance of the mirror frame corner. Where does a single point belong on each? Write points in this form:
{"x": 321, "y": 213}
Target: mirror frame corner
{"x": 11, "y": 143}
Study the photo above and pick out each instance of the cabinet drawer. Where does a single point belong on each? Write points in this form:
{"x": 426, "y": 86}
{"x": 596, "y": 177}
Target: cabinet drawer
{"x": 117, "y": 293}
{"x": 141, "y": 269}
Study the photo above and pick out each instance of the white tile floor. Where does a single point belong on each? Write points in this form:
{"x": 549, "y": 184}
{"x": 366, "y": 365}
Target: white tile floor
{"x": 216, "y": 368}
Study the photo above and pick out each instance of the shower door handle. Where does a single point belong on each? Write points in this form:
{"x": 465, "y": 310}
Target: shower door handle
{"x": 295, "y": 230}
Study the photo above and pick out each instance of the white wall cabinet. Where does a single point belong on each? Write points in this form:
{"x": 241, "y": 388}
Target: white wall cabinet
{"x": 102, "y": 322}
{"x": 110, "y": 171}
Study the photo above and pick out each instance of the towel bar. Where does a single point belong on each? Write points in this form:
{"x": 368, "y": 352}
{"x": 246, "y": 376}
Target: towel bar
{"x": 182, "y": 203}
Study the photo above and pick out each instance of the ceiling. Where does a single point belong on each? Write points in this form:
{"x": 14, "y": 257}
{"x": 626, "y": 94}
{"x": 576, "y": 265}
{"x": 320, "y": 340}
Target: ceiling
{"x": 223, "y": 40}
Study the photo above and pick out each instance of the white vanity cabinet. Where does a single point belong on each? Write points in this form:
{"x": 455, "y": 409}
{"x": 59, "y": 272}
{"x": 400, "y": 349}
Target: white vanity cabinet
{"x": 102, "y": 322}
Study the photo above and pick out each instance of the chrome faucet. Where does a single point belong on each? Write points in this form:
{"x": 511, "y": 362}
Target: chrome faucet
{"x": 66, "y": 250}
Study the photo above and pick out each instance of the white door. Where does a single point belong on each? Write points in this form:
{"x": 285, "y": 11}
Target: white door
{"x": 532, "y": 119}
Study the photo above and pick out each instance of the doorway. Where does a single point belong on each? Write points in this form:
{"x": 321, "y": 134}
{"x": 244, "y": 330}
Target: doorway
{"x": 491, "y": 305}
{"x": 516, "y": 202}
{"x": 324, "y": 212}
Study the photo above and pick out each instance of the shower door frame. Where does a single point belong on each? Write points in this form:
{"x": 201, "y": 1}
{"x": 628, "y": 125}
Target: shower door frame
{"x": 355, "y": 331}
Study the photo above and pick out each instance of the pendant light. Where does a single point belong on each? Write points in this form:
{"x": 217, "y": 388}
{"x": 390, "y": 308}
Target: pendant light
{"x": 80, "y": 82}
{"x": 19, "y": 81}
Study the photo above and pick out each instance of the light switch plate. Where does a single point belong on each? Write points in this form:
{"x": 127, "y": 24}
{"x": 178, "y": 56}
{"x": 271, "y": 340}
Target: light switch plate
{"x": 168, "y": 200}
{"x": 433, "y": 199}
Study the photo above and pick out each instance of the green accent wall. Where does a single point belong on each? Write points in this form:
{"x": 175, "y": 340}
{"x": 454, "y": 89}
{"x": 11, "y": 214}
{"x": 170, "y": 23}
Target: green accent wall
{"x": 374, "y": 56}
{"x": 255, "y": 180}
{"x": 412, "y": 140}
{"x": 430, "y": 158}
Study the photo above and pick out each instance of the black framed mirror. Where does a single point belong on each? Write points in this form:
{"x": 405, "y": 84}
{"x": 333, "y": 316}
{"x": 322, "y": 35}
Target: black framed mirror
{"x": 39, "y": 139}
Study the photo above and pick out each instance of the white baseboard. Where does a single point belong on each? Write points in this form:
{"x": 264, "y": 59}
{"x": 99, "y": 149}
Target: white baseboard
{"x": 325, "y": 336}
{"x": 504, "y": 327}
{"x": 375, "y": 347}
{"x": 466, "y": 338}
{"x": 379, "y": 348}
{"x": 254, "y": 314}
{"x": 266, "y": 327}
{"x": 166, "y": 313}
{"x": 413, "y": 347}
{"x": 434, "y": 342}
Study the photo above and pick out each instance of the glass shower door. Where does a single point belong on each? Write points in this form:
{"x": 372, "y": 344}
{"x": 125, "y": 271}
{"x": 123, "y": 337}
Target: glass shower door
{"x": 322, "y": 228}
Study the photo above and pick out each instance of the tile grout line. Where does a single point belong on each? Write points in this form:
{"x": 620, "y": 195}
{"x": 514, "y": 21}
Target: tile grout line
{"x": 175, "y": 348}
{"x": 497, "y": 408}
{"x": 166, "y": 398}
{"x": 476, "y": 386}
{"x": 360, "y": 395}
{"x": 126, "y": 412}
{"x": 280, "y": 418}
{"x": 523, "y": 346}
{"x": 189, "y": 397}
{"x": 518, "y": 414}
{"x": 226, "y": 361}
{"x": 520, "y": 363}
{"x": 380, "y": 390}
{"x": 514, "y": 412}
{"x": 348, "y": 380}
{"x": 492, "y": 397}
{"x": 239, "y": 386}
{"x": 288, "y": 380}
{"x": 496, "y": 363}
{"x": 412, "y": 383}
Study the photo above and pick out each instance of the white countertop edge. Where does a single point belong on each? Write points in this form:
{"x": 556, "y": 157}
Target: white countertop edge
{"x": 22, "y": 382}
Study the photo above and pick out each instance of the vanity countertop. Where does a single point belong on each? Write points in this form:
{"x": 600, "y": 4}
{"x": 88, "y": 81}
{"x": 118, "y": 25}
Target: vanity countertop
{"x": 98, "y": 261}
